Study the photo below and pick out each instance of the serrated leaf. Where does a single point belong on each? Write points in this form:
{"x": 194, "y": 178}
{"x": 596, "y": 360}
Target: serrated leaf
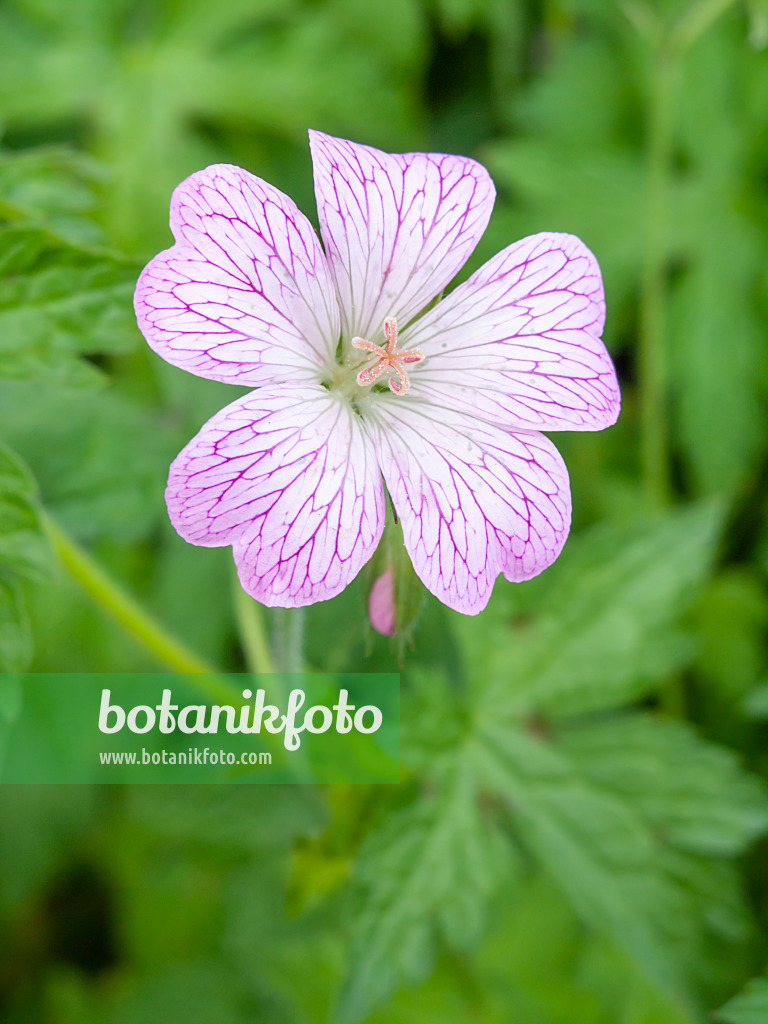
{"x": 693, "y": 793}
{"x": 749, "y": 1006}
{"x": 24, "y": 549}
{"x": 24, "y": 554}
{"x": 600, "y": 628}
{"x": 50, "y": 317}
{"x": 595, "y": 846}
{"x": 639, "y": 822}
{"x": 61, "y": 296}
{"x": 428, "y": 870}
{"x": 48, "y": 194}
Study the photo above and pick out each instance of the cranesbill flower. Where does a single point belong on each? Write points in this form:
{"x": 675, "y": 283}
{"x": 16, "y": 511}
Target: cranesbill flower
{"x": 358, "y": 381}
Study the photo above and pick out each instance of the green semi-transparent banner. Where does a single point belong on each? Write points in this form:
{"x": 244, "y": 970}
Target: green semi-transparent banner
{"x": 152, "y": 728}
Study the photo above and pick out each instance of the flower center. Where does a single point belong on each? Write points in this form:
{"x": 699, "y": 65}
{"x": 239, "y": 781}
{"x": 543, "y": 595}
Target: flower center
{"x": 389, "y": 358}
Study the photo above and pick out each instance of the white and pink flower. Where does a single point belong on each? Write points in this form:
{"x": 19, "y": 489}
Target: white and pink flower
{"x": 356, "y": 386}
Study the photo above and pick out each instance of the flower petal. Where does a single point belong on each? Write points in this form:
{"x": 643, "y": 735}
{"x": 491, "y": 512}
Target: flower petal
{"x": 246, "y": 294}
{"x": 519, "y": 342}
{"x": 287, "y": 477}
{"x": 396, "y": 227}
{"x": 474, "y": 500}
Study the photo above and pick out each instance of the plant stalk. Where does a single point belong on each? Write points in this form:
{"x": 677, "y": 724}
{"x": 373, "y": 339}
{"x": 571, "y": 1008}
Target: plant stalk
{"x": 653, "y": 369}
{"x": 122, "y": 607}
{"x": 288, "y": 639}
{"x": 252, "y": 630}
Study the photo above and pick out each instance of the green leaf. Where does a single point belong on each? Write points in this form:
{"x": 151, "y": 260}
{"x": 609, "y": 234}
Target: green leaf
{"x": 600, "y": 625}
{"x": 105, "y": 474}
{"x": 722, "y": 439}
{"x": 49, "y": 317}
{"x": 50, "y": 193}
{"x": 638, "y": 821}
{"x": 24, "y": 554}
{"x": 24, "y": 549}
{"x": 749, "y": 1006}
{"x": 61, "y": 296}
{"x": 429, "y": 869}
{"x": 595, "y": 846}
{"x": 692, "y": 793}
{"x": 731, "y": 616}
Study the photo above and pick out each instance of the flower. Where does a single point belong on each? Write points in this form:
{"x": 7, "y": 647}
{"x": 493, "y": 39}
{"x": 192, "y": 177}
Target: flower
{"x": 357, "y": 377}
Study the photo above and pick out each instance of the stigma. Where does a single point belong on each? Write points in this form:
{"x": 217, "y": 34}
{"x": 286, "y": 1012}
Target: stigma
{"x": 389, "y": 358}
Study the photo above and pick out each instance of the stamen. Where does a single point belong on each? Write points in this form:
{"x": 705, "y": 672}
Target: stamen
{"x": 390, "y": 358}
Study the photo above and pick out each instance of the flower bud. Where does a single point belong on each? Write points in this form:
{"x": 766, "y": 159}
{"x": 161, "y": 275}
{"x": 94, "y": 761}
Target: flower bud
{"x": 381, "y": 603}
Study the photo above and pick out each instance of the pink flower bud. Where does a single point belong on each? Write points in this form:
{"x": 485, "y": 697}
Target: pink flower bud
{"x": 381, "y": 603}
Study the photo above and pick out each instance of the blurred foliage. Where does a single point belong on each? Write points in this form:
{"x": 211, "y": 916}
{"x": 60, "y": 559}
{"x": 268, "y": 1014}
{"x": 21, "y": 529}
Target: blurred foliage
{"x": 750, "y": 1006}
{"x": 24, "y": 554}
{"x": 577, "y": 836}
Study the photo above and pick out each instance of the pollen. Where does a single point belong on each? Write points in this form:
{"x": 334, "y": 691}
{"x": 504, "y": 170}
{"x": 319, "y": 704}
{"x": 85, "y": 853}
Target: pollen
{"x": 389, "y": 358}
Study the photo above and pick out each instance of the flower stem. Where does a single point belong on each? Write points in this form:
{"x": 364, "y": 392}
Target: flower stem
{"x": 123, "y": 608}
{"x": 288, "y": 639}
{"x": 653, "y": 370}
{"x": 652, "y": 351}
{"x": 669, "y": 49}
{"x": 695, "y": 21}
{"x": 253, "y": 633}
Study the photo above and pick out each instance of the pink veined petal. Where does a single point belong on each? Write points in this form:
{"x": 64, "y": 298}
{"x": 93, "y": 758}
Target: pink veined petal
{"x": 288, "y": 478}
{"x": 474, "y": 500}
{"x": 519, "y": 342}
{"x": 245, "y": 295}
{"x": 396, "y": 227}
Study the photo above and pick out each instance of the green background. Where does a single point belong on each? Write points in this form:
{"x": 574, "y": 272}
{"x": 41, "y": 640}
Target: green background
{"x": 579, "y": 836}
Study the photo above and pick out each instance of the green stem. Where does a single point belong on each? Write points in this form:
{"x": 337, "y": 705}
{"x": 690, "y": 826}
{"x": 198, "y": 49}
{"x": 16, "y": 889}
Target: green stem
{"x": 288, "y": 639}
{"x": 695, "y": 21}
{"x": 653, "y": 314}
{"x": 652, "y": 352}
{"x": 123, "y": 608}
{"x": 653, "y": 368}
{"x": 252, "y": 631}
